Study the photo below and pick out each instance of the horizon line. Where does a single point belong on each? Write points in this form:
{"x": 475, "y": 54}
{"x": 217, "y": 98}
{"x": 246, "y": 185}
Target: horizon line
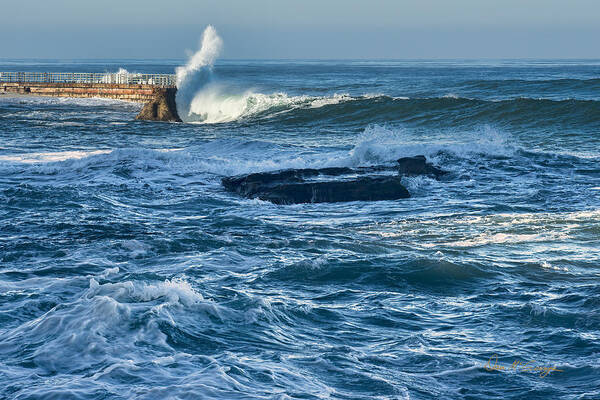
{"x": 309, "y": 59}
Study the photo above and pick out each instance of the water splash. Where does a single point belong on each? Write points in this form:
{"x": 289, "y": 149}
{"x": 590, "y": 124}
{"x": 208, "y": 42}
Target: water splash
{"x": 202, "y": 99}
{"x": 192, "y": 77}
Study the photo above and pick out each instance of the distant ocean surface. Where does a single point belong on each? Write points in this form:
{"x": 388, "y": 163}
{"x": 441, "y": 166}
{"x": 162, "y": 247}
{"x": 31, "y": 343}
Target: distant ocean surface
{"x": 128, "y": 272}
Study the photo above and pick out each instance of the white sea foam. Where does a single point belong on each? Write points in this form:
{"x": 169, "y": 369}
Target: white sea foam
{"x": 377, "y": 145}
{"x": 451, "y": 96}
{"x": 78, "y": 101}
{"x": 418, "y": 184}
{"x": 135, "y": 247}
{"x": 122, "y": 76}
{"x": 547, "y": 265}
{"x": 108, "y": 321}
{"x": 213, "y": 104}
{"x": 44, "y": 157}
{"x": 508, "y": 238}
{"x": 171, "y": 292}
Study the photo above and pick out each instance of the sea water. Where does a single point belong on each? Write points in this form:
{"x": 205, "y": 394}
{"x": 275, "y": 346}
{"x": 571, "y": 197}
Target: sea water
{"x": 127, "y": 271}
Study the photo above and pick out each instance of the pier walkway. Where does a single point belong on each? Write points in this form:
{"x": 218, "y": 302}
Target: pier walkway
{"x": 135, "y": 87}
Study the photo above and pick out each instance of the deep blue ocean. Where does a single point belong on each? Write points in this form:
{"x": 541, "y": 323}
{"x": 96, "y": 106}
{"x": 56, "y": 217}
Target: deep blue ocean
{"x": 128, "y": 272}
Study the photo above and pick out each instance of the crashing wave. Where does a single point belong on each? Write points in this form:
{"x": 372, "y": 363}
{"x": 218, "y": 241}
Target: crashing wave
{"x": 202, "y": 99}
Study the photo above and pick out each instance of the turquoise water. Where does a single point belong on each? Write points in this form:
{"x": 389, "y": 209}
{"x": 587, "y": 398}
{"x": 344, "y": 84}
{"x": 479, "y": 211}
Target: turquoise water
{"x": 126, "y": 270}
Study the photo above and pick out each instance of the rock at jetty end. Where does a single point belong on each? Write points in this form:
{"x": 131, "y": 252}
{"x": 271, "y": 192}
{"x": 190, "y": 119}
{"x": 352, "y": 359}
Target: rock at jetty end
{"x": 161, "y": 108}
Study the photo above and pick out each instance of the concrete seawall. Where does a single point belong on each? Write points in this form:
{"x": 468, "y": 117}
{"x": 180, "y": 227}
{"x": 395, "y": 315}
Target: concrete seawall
{"x": 159, "y": 101}
{"x": 130, "y": 92}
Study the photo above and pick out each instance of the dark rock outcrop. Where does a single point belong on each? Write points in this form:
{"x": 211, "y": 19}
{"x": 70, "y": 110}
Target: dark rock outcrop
{"x": 308, "y": 185}
{"x": 361, "y": 189}
{"x": 162, "y": 107}
{"x": 293, "y": 186}
{"x": 418, "y": 165}
{"x": 251, "y": 184}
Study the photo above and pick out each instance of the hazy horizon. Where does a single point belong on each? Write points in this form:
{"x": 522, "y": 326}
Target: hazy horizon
{"x": 228, "y": 59}
{"x": 382, "y": 29}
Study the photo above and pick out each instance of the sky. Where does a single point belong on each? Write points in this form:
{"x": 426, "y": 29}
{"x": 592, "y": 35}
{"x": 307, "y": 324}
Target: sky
{"x": 302, "y": 29}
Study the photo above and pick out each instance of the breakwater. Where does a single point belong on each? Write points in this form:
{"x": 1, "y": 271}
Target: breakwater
{"x": 150, "y": 89}
{"x": 128, "y": 92}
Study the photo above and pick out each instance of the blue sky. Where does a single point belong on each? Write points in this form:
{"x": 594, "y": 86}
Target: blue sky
{"x": 303, "y": 29}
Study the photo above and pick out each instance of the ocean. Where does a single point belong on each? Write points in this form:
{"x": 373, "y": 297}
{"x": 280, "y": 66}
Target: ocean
{"x": 128, "y": 272}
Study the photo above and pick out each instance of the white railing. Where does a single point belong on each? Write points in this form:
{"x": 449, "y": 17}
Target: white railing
{"x": 79, "y": 77}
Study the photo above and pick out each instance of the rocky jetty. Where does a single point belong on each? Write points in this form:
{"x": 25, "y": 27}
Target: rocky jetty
{"x": 330, "y": 185}
{"x": 161, "y": 108}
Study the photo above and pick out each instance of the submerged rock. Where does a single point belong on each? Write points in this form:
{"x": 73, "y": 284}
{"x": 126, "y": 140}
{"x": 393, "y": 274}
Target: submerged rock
{"x": 161, "y": 108}
{"x": 418, "y": 165}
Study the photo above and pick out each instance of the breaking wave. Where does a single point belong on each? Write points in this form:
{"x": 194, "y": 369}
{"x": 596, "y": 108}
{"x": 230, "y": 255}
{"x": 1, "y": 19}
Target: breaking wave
{"x": 449, "y": 109}
{"x": 202, "y": 99}
{"x": 215, "y": 105}
{"x": 376, "y": 145}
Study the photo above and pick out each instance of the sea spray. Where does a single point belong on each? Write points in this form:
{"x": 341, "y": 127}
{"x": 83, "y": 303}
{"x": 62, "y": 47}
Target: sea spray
{"x": 197, "y": 72}
{"x": 202, "y": 99}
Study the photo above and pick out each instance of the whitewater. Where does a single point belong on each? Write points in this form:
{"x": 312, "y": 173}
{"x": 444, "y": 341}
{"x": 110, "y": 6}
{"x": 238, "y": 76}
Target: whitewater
{"x": 202, "y": 98}
{"x": 128, "y": 272}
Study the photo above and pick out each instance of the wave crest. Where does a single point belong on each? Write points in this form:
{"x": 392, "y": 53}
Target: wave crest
{"x": 214, "y": 105}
